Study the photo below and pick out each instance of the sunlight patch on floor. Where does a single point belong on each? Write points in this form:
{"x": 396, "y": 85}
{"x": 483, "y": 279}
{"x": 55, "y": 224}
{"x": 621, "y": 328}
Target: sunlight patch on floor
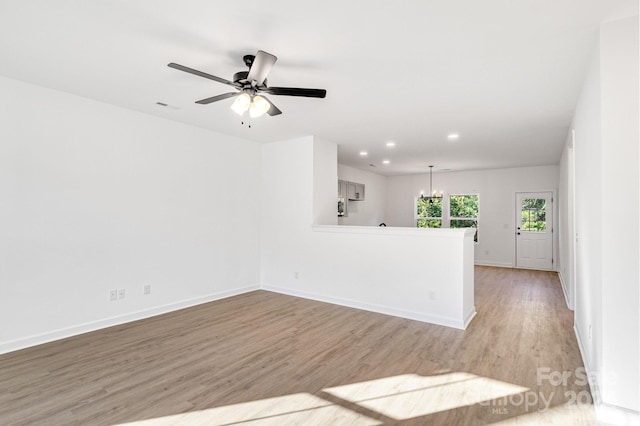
{"x": 300, "y": 408}
{"x": 406, "y": 396}
{"x": 399, "y": 398}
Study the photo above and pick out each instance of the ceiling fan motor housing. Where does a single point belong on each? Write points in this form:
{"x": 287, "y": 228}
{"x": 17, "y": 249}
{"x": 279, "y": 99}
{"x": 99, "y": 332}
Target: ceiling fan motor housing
{"x": 248, "y": 60}
{"x": 240, "y": 77}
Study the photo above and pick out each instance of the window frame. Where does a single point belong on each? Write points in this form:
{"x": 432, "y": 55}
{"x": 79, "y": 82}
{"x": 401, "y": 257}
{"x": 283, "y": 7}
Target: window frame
{"x": 529, "y": 221}
{"x": 417, "y": 218}
{"x": 471, "y": 219}
{"x": 446, "y": 219}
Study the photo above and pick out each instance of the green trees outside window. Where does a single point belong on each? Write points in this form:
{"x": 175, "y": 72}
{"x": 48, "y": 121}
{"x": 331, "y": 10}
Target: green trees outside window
{"x": 429, "y": 213}
{"x": 534, "y": 214}
{"x": 462, "y": 212}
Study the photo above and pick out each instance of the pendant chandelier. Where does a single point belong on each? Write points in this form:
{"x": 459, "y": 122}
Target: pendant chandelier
{"x": 432, "y": 193}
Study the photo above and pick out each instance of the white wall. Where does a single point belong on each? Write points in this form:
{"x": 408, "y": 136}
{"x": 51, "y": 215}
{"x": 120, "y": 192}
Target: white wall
{"x": 371, "y": 210}
{"x": 287, "y": 207}
{"x": 606, "y": 222}
{"x": 497, "y": 205}
{"x": 379, "y": 269}
{"x": 95, "y": 197}
{"x": 620, "y": 254}
{"x": 325, "y": 182}
{"x": 565, "y": 222}
{"x": 588, "y": 225}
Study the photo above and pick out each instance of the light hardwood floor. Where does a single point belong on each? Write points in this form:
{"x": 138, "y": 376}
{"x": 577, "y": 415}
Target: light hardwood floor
{"x": 267, "y": 358}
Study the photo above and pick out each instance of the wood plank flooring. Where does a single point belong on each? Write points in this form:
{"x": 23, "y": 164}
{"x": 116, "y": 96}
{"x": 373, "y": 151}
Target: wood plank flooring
{"x": 266, "y": 358}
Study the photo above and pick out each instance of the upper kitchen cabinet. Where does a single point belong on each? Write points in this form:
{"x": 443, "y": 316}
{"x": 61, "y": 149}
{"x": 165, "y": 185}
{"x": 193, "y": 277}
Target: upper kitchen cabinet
{"x": 355, "y": 191}
{"x": 342, "y": 198}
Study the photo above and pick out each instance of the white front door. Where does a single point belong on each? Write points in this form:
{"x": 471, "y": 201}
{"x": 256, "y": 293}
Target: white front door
{"x": 534, "y": 230}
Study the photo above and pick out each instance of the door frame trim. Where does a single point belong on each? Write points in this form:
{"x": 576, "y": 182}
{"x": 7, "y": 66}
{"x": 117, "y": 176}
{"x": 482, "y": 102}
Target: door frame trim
{"x": 554, "y": 227}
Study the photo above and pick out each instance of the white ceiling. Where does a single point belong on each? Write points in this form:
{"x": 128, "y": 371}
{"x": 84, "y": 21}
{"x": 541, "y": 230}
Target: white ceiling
{"x": 504, "y": 74}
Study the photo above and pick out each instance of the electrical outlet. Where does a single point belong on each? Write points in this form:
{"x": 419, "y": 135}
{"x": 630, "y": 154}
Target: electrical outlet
{"x": 121, "y": 293}
{"x": 296, "y": 275}
{"x": 590, "y": 332}
{"x": 147, "y": 289}
{"x": 113, "y": 295}
{"x": 432, "y": 295}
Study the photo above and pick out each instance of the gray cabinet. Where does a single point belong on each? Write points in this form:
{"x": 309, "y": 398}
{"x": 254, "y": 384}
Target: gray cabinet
{"x": 355, "y": 191}
{"x": 342, "y": 198}
{"x": 348, "y": 191}
{"x": 342, "y": 189}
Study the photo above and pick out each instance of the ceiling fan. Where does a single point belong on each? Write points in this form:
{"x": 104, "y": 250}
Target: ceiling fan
{"x": 251, "y": 86}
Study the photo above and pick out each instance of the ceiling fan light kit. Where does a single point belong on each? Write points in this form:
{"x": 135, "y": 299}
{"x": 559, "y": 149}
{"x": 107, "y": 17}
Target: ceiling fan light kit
{"x": 250, "y": 86}
{"x": 258, "y": 107}
{"x": 241, "y": 104}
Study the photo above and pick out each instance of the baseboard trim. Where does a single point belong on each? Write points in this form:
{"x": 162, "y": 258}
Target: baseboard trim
{"x": 470, "y": 315}
{"x": 593, "y": 382}
{"x": 496, "y": 264}
{"x": 563, "y": 284}
{"x": 606, "y": 414}
{"x": 386, "y": 310}
{"x": 38, "y": 339}
{"x": 509, "y": 265}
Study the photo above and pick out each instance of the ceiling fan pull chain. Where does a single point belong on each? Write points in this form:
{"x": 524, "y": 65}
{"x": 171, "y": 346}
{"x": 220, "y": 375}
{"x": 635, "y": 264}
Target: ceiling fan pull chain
{"x": 248, "y": 122}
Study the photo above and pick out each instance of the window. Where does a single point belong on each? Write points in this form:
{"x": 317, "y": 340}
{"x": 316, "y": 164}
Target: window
{"x": 429, "y": 213}
{"x": 463, "y": 212}
{"x": 454, "y": 211}
{"x": 534, "y": 214}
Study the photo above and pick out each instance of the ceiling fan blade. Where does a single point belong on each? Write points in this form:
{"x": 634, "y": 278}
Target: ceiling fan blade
{"x": 294, "y": 91}
{"x": 262, "y": 64}
{"x": 217, "y": 98}
{"x": 202, "y": 74}
{"x": 274, "y": 110}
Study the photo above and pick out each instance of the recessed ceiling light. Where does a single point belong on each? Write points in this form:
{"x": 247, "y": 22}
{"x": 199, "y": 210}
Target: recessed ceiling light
{"x": 391, "y": 144}
{"x": 363, "y": 153}
{"x": 453, "y": 136}
{"x": 385, "y": 161}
